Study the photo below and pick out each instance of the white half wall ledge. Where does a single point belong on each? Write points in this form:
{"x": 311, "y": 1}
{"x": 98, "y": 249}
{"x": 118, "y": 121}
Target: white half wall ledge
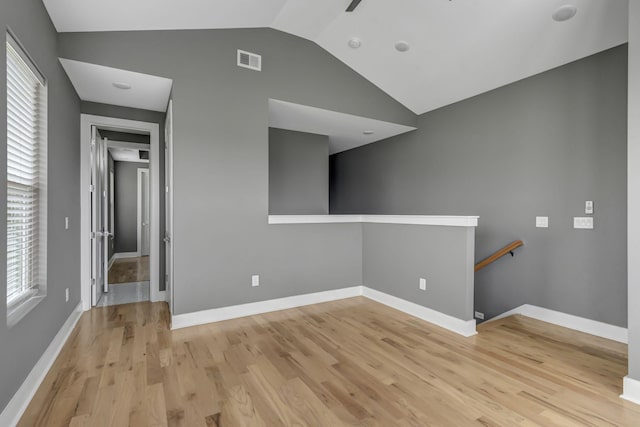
{"x": 581, "y": 324}
{"x": 459, "y": 326}
{"x": 14, "y": 410}
{"x": 631, "y": 390}
{"x": 440, "y": 220}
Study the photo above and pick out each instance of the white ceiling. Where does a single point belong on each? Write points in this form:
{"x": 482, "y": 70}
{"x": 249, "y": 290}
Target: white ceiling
{"x": 95, "y": 83}
{"x": 459, "y": 48}
{"x": 345, "y": 131}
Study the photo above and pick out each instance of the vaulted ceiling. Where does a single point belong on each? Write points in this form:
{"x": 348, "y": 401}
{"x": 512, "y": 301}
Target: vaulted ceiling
{"x": 457, "y": 48}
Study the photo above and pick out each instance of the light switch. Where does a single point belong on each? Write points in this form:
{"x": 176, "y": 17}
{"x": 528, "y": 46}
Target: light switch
{"x": 588, "y": 207}
{"x": 542, "y": 222}
{"x": 585, "y": 223}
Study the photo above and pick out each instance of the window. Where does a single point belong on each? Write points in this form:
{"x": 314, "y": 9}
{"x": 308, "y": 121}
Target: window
{"x": 26, "y": 183}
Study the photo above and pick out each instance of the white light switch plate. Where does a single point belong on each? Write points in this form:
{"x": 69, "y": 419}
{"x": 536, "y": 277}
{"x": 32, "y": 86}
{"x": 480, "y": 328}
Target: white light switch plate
{"x": 255, "y": 281}
{"x": 585, "y": 223}
{"x": 423, "y": 284}
{"x": 542, "y": 222}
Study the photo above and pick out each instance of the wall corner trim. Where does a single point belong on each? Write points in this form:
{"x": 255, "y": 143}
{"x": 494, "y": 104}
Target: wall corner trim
{"x": 581, "y": 324}
{"x": 631, "y": 390}
{"x": 466, "y": 328}
{"x": 14, "y": 410}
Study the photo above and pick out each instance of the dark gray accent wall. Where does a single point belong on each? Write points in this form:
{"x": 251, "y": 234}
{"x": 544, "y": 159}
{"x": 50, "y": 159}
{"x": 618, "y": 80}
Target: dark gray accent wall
{"x": 538, "y": 147}
{"x": 126, "y": 206}
{"x": 23, "y": 344}
{"x": 298, "y": 173}
{"x": 395, "y": 257}
{"x": 118, "y": 112}
{"x": 221, "y": 235}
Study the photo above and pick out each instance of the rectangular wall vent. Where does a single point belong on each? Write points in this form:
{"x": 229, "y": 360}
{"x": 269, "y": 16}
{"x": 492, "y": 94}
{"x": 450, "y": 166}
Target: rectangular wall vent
{"x": 249, "y": 60}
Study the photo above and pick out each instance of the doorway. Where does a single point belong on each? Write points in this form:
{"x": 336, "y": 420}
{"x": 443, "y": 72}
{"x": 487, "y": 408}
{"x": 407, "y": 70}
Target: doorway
{"x": 104, "y": 244}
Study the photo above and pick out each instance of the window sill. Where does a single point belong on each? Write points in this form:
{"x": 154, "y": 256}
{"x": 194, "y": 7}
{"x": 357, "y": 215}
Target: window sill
{"x": 18, "y": 311}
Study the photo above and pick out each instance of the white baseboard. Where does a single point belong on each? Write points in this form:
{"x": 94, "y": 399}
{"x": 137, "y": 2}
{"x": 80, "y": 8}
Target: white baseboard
{"x": 465, "y": 328}
{"x": 232, "y": 312}
{"x": 12, "y": 413}
{"x": 161, "y": 296}
{"x": 631, "y": 390}
{"x": 593, "y": 327}
{"x": 462, "y": 327}
{"x": 120, "y": 255}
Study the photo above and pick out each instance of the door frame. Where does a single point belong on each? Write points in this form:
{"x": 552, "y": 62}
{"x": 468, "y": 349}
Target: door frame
{"x": 134, "y": 126}
{"x": 169, "y": 245}
{"x": 139, "y": 220}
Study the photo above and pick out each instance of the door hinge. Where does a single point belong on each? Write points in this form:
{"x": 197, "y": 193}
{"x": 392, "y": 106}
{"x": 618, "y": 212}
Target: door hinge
{"x": 91, "y": 188}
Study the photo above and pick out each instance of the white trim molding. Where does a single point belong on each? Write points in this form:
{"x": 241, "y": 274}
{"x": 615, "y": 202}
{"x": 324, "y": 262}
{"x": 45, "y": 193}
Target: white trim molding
{"x": 12, "y": 413}
{"x": 442, "y": 220}
{"x": 153, "y": 129}
{"x": 631, "y": 390}
{"x": 121, "y": 255}
{"x": 593, "y": 327}
{"x": 462, "y": 327}
{"x": 466, "y": 328}
{"x": 233, "y": 312}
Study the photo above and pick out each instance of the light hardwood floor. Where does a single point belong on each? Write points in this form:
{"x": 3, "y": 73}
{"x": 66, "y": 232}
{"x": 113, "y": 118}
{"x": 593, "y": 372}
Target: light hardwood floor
{"x": 350, "y": 362}
{"x": 128, "y": 270}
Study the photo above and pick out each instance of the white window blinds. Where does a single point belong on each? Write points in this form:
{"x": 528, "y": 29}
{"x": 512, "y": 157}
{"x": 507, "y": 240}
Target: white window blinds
{"x": 26, "y": 177}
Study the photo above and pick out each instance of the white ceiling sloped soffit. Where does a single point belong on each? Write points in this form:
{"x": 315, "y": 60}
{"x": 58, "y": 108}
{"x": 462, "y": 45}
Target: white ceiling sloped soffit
{"x": 98, "y": 83}
{"x": 345, "y": 131}
{"x": 457, "y": 49}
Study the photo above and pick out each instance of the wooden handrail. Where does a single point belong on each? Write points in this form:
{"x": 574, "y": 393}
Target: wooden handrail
{"x": 499, "y": 254}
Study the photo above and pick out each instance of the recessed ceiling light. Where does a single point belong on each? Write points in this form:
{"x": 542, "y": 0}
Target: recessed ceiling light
{"x": 354, "y": 43}
{"x": 122, "y": 85}
{"x": 402, "y": 46}
{"x": 564, "y": 13}
{"x": 368, "y": 132}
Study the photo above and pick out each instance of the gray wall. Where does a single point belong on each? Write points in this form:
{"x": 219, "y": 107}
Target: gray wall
{"x": 118, "y": 112}
{"x": 395, "y": 257}
{"x": 221, "y": 236}
{"x": 541, "y": 146}
{"x": 298, "y": 173}
{"x": 126, "y": 205}
{"x": 23, "y": 344}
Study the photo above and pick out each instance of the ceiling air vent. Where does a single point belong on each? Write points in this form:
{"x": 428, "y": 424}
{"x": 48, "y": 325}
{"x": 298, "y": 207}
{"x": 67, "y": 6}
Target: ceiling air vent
{"x": 249, "y": 60}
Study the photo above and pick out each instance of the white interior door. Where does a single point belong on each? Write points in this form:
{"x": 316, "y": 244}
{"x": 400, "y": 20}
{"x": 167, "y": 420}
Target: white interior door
{"x": 106, "y": 233}
{"x": 99, "y": 232}
{"x": 168, "y": 176}
{"x": 144, "y": 236}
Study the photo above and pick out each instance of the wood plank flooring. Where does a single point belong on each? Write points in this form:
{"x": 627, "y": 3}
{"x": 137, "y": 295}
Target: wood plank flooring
{"x": 346, "y": 363}
{"x": 128, "y": 270}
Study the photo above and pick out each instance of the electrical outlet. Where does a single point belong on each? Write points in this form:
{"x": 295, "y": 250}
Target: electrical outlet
{"x": 66, "y": 295}
{"x": 255, "y": 280}
{"x": 479, "y": 315}
{"x": 423, "y": 284}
